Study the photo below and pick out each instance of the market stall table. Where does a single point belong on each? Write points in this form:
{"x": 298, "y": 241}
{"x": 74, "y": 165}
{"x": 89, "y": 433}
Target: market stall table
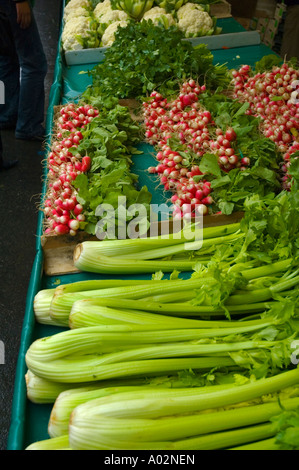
{"x": 29, "y": 421}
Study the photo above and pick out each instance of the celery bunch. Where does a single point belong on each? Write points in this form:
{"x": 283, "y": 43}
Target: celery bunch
{"x": 198, "y": 418}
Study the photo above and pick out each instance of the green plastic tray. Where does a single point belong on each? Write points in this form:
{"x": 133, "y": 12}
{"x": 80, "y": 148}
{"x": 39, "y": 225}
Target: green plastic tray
{"x": 29, "y": 421}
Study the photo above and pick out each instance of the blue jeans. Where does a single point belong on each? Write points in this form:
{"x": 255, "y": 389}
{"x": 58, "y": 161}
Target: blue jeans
{"x": 22, "y": 69}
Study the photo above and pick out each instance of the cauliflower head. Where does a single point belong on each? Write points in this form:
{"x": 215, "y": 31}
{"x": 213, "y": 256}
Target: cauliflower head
{"x": 159, "y": 16}
{"x": 111, "y": 16}
{"x": 187, "y": 9}
{"x": 109, "y": 34}
{"x": 74, "y": 5}
{"x": 102, "y": 9}
{"x": 73, "y": 30}
{"x": 80, "y": 11}
{"x": 193, "y": 21}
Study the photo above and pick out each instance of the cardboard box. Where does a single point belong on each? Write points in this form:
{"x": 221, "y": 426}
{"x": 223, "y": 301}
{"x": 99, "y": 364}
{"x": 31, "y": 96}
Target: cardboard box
{"x": 272, "y": 25}
{"x": 268, "y": 38}
{"x": 279, "y": 11}
{"x": 261, "y": 27}
{"x": 267, "y": 26}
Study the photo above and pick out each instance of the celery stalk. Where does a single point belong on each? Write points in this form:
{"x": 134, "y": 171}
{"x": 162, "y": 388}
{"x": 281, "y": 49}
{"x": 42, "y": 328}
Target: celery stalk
{"x": 58, "y": 443}
{"x": 262, "y": 295}
{"x": 43, "y": 299}
{"x": 213, "y": 441}
{"x": 103, "y": 340}
{"x": 183, "y": 247}
{"x": 148, "y": 420}
{"x": 67, "y": 401}
{"x": 62, "y": 303}
{"x": 135, "y": 245}
{"x": 86, "y": 368}
{"x": 264, "y": 444}
{"x": 42, "y": 391}
{"x": 41, "y": 306}
{"x": 266, "y": 270}
{"x": 149, "y": 261}
{"x": 90, "y": 312}
{"x": 98, "y": 310}
{"x": 85, "y": 261}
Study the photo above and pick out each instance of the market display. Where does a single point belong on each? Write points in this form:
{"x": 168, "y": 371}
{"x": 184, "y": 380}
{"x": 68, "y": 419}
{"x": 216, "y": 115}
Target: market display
{"x": 92, "y": 23}
{"x": 174, "y": 342}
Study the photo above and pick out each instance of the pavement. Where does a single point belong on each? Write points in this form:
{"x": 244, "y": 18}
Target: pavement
{"x": 20, "y": 190}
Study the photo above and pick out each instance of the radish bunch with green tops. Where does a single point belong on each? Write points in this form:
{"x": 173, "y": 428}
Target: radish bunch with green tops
{"x": 62, "y": 211}
{"x": 183, "y": 130}
{"x": 273, "y": 97}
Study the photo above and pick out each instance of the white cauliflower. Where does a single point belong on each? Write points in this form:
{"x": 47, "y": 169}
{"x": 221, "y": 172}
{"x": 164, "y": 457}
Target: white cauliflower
{"x": 159, "y": 16}
{"x": 74, "y": 5}
{"x": 109, "y": 34}
{"x": 102, "y": 8}
{"x": 187, "y": 9}
{"x": 79, "y": 26}
{"x": 193, "y": 21}
{"x": 112, "y": 16}
{"x": 80, "y": 11}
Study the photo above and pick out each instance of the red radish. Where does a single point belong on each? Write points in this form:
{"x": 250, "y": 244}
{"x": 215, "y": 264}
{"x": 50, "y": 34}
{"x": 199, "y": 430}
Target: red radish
{"x": 78, "y": 209}
{"x": 74, "y": 224}
{"x": 61, "y": 229}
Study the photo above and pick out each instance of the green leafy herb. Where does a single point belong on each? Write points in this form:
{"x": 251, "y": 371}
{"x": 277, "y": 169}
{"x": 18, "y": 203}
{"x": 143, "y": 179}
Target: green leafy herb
{"x": 110, "y": 141}
{"x": 145, "y": 57}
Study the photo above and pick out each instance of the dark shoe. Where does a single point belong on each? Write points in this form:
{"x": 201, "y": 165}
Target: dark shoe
{"x": 8, "y": 165}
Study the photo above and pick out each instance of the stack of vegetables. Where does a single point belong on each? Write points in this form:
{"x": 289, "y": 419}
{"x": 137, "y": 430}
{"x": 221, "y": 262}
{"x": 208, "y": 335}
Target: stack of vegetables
{"x": 89, "y": 163}
{"x": 272, "y": 95}
{"x": 80, "y": 28}
{"x": 92, "y": 24}
{"x": 206, "y": 135}
{"x": 201, "y": 154}
{"x": 179, "y": 341}
{"x": 200, "y": 362}
{"x": 96, "y": 138}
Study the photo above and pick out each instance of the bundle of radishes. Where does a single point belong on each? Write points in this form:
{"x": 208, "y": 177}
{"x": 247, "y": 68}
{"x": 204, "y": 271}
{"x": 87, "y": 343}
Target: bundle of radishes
{"x": 63, "y": 213}
{"x": 190, "y": 124}
{"x": 274, "y": 97}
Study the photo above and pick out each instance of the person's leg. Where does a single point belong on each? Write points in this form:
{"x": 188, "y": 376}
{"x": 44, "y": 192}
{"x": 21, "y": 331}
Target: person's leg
{"x": 9, "y": 74}
{"x": 290, "y": 40}
{"x": 33, "y": 65}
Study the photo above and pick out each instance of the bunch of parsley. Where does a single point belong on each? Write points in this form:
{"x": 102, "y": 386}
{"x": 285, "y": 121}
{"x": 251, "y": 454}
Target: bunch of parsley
{"x": 145, "y": 57}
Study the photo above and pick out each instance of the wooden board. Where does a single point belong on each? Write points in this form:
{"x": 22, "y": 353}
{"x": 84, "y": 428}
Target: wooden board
{"x": 58, "y": 250}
